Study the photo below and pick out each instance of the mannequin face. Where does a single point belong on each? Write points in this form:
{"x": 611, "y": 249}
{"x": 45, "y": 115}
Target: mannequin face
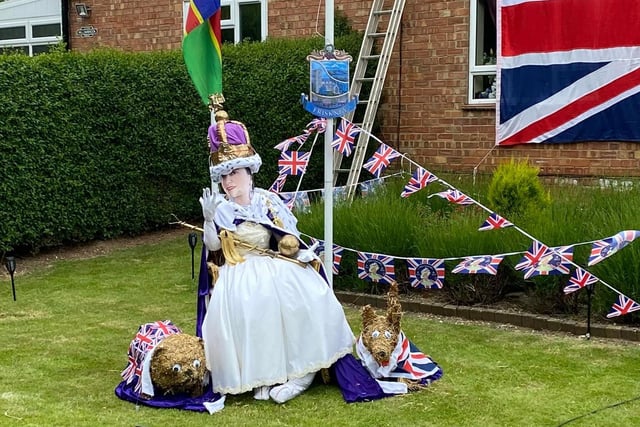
{"x": 237, "y": 185}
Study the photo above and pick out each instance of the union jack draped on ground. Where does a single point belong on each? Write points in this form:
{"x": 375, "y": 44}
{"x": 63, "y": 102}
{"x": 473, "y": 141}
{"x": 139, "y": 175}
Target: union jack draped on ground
{"x": 426, "y": 273}
{"x": 624, "y": 305}
{"x": 412, "y": 363}
{"x": 493, "y": 222}
{"x": 147, "y": 338}
{"x": 579, "y": 279}
{"x": 606, "y": 247}
{"x": 568, "y": 71}
{"x": 337, "y": 253}
{"x": 420, "y": 178}
{"x": 485, "y": 264}
{"x": 345, "y": 136}
{"x": 293, "y": 162}
{"x": 380, "y": 160}
{"x": 554, "y": 261}
{"x": 376, "y": 268}
{"x": 454, "y": 196}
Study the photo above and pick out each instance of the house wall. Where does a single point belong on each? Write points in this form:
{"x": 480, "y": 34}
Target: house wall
{"x": 423, "y": 111}
{"x": 131, "y": 25}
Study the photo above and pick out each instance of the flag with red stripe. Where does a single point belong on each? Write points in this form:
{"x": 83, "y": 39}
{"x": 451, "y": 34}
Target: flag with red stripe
{"x": 568, "y": 70}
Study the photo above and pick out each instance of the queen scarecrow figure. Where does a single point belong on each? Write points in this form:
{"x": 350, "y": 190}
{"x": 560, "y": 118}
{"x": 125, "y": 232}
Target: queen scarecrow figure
{"x": 271, "y": 320}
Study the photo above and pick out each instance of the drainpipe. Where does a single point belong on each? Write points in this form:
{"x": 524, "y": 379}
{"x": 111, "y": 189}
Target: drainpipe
{"x": 66, "y": 36}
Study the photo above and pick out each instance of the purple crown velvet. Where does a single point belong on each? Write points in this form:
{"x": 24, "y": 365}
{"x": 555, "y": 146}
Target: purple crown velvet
{"x": 235, "y": 135}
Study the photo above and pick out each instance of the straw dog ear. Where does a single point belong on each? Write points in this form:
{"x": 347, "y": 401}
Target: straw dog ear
{"x": 394, "y": 309}
{"x": 368, "y": 316}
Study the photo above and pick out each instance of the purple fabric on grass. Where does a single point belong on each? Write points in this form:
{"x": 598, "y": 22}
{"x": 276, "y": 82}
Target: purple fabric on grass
{"x": 125, "y": 392}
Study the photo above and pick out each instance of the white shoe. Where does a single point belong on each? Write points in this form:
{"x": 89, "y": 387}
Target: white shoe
{"x": 261, "y": 393}
{"x": 291, "y": 388}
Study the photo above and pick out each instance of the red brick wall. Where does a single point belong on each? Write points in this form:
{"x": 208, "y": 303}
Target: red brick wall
{"x": 131, "y": 25}
{"x": 423, "y": 112}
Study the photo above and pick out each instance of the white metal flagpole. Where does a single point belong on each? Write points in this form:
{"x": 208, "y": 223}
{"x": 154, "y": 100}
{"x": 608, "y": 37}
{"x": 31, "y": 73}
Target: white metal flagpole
{"x": 328, "y": 162}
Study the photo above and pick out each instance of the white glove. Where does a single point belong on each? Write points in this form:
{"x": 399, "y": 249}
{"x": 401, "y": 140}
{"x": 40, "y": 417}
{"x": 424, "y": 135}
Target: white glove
{"x": 210, "y": 201}
{"x": 308, "y": 255}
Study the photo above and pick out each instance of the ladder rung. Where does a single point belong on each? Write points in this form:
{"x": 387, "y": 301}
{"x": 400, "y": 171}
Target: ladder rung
{"x": 376, "y": 35}
{"x": 363, "y": 101}
{"x": 366, "y": 79}
{"x": 342, "y": 170}
{"x": 383, "y": 12}
{"x": 370, "y": 56}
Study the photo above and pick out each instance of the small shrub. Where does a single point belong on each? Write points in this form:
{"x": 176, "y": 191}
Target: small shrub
{"x": 516, "y": 189}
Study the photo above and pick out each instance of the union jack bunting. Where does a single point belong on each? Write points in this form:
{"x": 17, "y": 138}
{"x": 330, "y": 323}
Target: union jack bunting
{"x": 486, "y": 264}
{"x": 293, "y": 162}
{"x": 624, "y": 305}
{"x": 300, "y": 200}
{"x": 532, "y": 256}
{"x": 606, "y": 247}
{"x": 494, "y": 221}
{"x": 420, "y": 178}
{"x": 147, "y": 338}
{"x": 376, "y": 268}
{"x": 278, "y": 184}
{"x": 337, "y": 253}
{"x": 426, "y": 273}
{"x": 380, "y": 160}
{"x": 553, "y": 262}
{"x": 579, "y": 279}
{"x": 454, "y": 196}
{"x": 369, "y": 187}
{"x": 318, "y": 124}
{"x": 345, "y": 137}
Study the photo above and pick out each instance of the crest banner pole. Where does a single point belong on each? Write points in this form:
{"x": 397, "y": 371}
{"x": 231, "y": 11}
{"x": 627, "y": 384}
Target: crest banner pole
{"x": 328, "y": 161}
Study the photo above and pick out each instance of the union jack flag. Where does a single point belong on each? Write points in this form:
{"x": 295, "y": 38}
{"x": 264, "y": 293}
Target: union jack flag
{"x": 606, "y": 247}
{"x": 493, "y": 222}
{"x": 624, "y": 305}
{"x": 554, "y": 261}
{"x": 414, "y": 364}
{"x": 380, "y": 160}
{"x": 293, "y": 162}
{"x": 299, "y": 200}
{"x": 532, "y": 256}
{"x": 585, "y": 54}
{"x": 278, "y": 184}
{"x": 579, "y": 279}
{"x": 426, "y": 273}
{"x": 284, "y": 145}
{"x": 345, "y": 137}
{"x": 454, "y": 196}
{"x": 420, "y": 179}
{"x": 337, "y": 253}
{"x": 318, "y": 124}
{"x": 376, "y": 268}
{"x": 147, "y": 338}
{"x": 485, "y": 264}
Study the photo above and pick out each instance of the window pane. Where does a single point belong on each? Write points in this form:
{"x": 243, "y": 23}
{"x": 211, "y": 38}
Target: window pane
{"x": 225, "y": 12}
{"x": 40, "y": 48}
{"x": 47, "y": 30}
{"x": 250, "y": 22}
{"x": 13, "y": 33}
{"x": 14, "y": 49}
{"x": 484, "y": 87}
{"x": 228, "y": 35}
{"x": 485, "y": 33}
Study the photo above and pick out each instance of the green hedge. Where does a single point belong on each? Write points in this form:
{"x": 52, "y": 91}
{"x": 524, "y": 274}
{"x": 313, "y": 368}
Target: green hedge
{"x": 109, "y": 143}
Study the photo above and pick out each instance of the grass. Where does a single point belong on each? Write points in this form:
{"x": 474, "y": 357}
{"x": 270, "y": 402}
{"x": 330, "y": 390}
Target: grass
{"x": 65, "y": 340}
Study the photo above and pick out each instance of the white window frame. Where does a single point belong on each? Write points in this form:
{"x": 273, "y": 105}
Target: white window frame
{"x": 477, "y": 70}
{"x": 29, "y": 40}
{"x": 234, "y": 22}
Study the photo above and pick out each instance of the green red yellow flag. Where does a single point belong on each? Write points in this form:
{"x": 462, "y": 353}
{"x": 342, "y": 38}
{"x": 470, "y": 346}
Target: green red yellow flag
{"x": 201, "y": 47}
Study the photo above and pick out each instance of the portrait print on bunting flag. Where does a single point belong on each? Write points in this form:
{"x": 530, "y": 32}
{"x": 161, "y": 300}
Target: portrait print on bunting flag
{"x": 426, "y": 273}
{"x": 376, "y": 268}
{"x": 568, "y": 70}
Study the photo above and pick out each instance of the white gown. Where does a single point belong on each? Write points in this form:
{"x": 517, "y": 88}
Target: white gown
{"x": 270, "y": 320}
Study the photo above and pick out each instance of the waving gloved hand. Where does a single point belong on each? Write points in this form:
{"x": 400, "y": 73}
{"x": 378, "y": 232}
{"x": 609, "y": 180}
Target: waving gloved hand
{"x": 308, "y": 255}
{"x": 210, "y": 201}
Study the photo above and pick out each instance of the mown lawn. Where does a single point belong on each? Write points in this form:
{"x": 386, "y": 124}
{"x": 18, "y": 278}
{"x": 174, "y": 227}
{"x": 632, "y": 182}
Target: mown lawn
{"x": 65, "y": 340}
